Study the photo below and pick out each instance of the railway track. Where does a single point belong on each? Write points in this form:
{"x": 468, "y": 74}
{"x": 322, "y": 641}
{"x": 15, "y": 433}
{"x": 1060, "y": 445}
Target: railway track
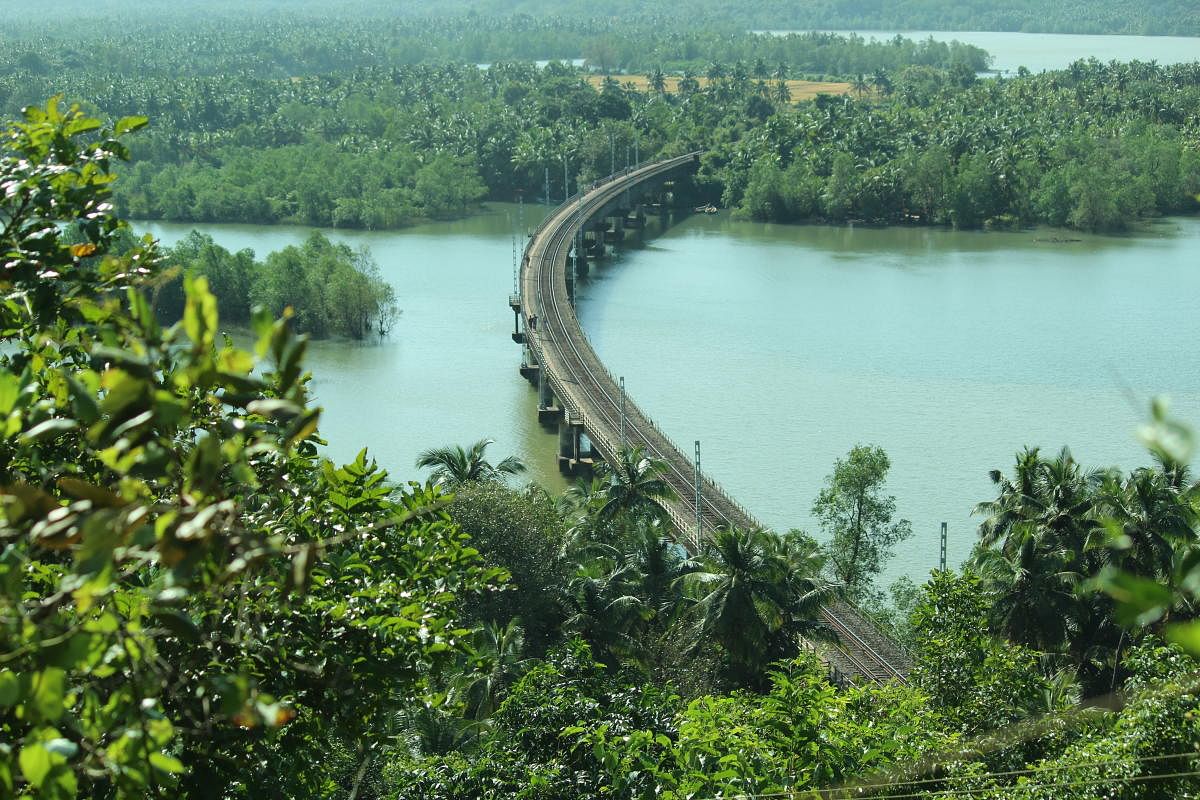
{"x": 590, "y": 396}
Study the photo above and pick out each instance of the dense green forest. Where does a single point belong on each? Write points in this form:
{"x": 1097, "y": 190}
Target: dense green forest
{"x": 1095, "y": 147}
{"x": 1178, "y": 17}
{"x": 281, "y": 48}
{"x": 195, "y": 603}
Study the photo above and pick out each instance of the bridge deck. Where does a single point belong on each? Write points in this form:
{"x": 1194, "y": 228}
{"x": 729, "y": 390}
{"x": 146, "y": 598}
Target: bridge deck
{"x": 591, "y": 397}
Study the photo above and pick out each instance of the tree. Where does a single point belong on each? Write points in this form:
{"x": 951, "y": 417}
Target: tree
{"x": 522, "y": 533}
{"x": 977, "y": 681}
{"x": 841, "y": 190}
{"x": 453, "y": 465}
{"x": 192, "y": 602}
{"x": 882, "y": 82}
{"x": 860, "y": 86}
{"x": 858, "y": 518}
{"x": 603, "y": 610}
{"x": 496, "y": 662}
{"x": 781, "y": 94}
{"x": 658, "y": 81}
{"x": 634, "y": 486}
{"x": 1033, "y": 539}
{"x": 745, "y": 594}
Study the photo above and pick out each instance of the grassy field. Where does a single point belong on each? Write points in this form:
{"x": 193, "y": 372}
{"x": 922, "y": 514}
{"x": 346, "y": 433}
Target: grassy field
{"x": 801, "y": 90}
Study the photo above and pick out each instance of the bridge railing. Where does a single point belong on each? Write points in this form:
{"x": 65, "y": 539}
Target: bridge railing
{"x": 642, "y": 423}
{"x": 574, "y": 222}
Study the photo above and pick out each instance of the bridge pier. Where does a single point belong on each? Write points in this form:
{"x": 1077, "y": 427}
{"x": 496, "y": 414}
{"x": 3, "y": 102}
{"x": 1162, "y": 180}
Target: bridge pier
{"x": 637, "y": 218}
{"x": 573, "y": 457}
{"x": 548, "y": 408}
{"x": 616, "y": 233}
{"x": 530, "y": 369}
{"x": 593, "y": 243}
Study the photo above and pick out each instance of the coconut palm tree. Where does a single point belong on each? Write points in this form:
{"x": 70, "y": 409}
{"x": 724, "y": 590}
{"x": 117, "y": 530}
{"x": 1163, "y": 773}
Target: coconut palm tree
{"x": 428, "y": 730}
{"x": 659, "y": 563}
{"x": 882, "y": 82}
{"x": 1153, "y": 512}
{"x": 781, "y": 93}
{"x": 604, "y": 611}
{"x": 1037, "y": 548}
{"x": 688, "y": 84}
{"x": 453, "y": 465}
{"x": 497, "y": 663}
{"x": 658, "y": 81}
{"x": 744, "y": 595}
{"x": 634, "y": 486}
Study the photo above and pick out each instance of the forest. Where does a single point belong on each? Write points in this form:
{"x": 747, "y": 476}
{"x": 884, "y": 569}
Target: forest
{"x": 919, "y": 139}
{"x": 1151, "y": 17}
{"x": 194, "y": 602}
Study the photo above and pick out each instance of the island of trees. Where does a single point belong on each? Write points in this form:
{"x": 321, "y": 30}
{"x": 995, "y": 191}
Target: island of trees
{"x": 194, "y": 602}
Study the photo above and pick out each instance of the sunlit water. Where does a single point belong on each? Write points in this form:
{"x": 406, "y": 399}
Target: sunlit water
{"x": 1048, "y": 51}
{"x": 448, "y": 372}
{"x": 780, "y": 347}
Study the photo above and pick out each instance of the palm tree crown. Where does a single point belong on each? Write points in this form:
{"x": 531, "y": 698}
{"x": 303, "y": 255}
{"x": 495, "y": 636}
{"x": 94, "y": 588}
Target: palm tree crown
{"x": 633, "y": 485}
{"x": 453, "y": 465}
{"x": 750, "y": 592}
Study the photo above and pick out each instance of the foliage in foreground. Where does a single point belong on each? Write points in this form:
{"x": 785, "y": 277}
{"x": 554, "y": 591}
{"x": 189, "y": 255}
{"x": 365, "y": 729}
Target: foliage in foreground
{"x": 192, "y": 601}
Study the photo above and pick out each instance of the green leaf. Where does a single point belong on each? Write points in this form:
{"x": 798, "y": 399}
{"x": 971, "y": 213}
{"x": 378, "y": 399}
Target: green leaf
{"x": 166, "y": 763}
{"x": 1140, "y": 601}
{"x": 1186, "y": 635}
{"x": 35, "y": 764}
{"x": 10, "y": 390}
{"x": 130, "y": 124}
{"x": 47, "y": 692}
{"x": 48, "y": 429}
{"x": 10, "y": 688}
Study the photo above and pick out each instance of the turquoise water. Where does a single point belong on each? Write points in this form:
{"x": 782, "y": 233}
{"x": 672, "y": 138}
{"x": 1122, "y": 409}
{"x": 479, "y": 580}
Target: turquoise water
{"x": 1048, "y": 51}
{"x": 780, "y": 347}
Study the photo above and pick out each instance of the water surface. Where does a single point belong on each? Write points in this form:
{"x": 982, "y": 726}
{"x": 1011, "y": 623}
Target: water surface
{"x": 1048, "y": 51}
{"x": 781, "y": 347}
{"x": 448, "y": 372}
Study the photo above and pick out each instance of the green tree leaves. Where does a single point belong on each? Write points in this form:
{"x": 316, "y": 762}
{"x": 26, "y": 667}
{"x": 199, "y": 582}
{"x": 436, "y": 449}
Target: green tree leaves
{"x": 187, "y": 591}
{"x": 859, "y": 518}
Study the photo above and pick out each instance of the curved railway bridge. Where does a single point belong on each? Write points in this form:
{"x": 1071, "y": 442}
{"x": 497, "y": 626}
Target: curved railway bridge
{"x": 595, "y": 418}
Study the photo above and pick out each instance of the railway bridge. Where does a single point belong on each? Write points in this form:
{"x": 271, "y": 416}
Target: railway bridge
{"x": 596, "y": 420}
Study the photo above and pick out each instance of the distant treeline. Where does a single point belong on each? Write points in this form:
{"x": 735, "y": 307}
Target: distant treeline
{"x": 1094, "y": 147}
{"x": 1155, "y": 17}
{"x": 287, "y": 46}
{"x": 1178, "y": 17}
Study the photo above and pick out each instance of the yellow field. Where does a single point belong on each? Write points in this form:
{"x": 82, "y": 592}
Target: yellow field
{"x": 801, "y": 90}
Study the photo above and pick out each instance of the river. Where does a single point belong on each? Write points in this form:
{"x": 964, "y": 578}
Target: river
{"x": 1047, "y": 51}
{"x": 780, "y": 347}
